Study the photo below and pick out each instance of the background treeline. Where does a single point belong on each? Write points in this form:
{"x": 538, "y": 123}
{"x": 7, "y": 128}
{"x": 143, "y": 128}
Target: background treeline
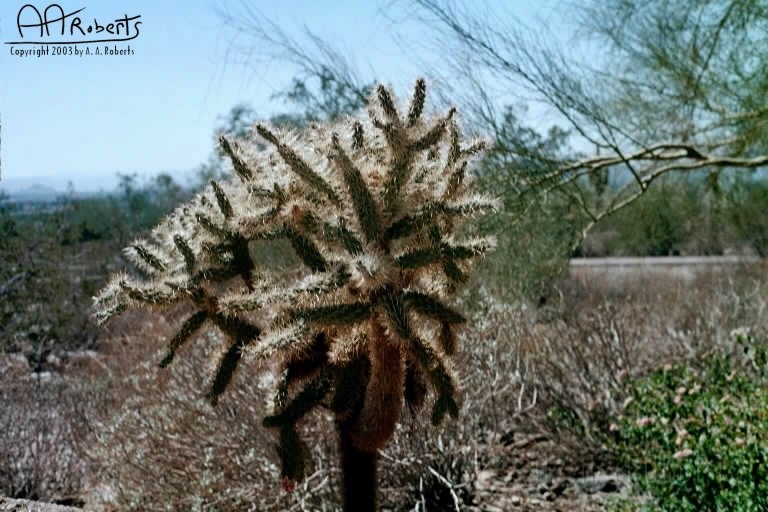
{"x": 55, "y": 257}
{"x": 688, "y": 217}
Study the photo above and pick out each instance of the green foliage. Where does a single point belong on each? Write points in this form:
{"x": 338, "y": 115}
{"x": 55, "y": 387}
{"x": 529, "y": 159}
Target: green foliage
{"x": 133, "y": 207}
{"x": 659, "y": 223}
{"x": 8, "y": 223}
{"x": 747, "y": 211}
{"x": 144, "y": 204}
{"x": 535, "y": 249}
{"x": 698, "y": 50}
{"x": 57, "y": 255}
{"x": 697, "y": 435}
{"x": 45, "y": 284}
{"x": 537, "y": 230}
{"x": 690, "y": 217}
{"x": 673, "y": 57}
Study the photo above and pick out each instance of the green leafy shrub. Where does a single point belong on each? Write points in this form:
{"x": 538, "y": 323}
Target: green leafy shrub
{"x": 698, "y": 436}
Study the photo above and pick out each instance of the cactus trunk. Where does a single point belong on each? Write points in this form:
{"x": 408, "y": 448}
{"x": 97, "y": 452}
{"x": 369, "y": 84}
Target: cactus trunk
{"x": 358, "y": 473}
{"x": 383, "y": 400}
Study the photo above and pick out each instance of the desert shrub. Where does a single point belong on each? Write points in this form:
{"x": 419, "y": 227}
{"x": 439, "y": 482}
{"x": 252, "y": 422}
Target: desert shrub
{"x": 608, "y": 328}
{"x": 134, "y": 206}
{"x": 90, "y": 219}
{"x": 746, "y": 211}
{"x": 658, "y": 223}
{"x": 687, "y": 217}
{"x": 54, "y": 259}
{"x": 426, "y": 471}
{"x": 535, "y": 248}
{"x": 144, "y": 203}
{"x": 46, "y": 289}
{"x": 165, "y": 448}
{"x": 8, "y": 224}
{"x": 697, "y": 435}
{"x": 584, "y": 361}
{"x": 536, "y": 229}
{"x": 515, "y": 365}
{"x": 44, "y": 430}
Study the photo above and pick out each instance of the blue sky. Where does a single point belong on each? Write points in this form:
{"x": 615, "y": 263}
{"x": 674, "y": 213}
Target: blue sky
{"x": 87, "y": 118}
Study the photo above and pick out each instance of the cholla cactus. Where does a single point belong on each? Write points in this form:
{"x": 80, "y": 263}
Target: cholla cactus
{"x": 372, "y": 208}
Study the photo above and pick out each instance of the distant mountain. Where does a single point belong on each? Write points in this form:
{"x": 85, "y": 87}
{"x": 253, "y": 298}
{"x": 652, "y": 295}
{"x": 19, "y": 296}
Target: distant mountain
{"x": 45, "y": 189}
{"x": 36, "y": 192}
{"x": 13, "y": 185}
{"x": 43, "y": 194}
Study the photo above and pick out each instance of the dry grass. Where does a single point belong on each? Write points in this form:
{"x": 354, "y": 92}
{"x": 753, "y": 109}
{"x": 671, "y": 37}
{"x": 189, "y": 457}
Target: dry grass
{"x": 45, "y": 428}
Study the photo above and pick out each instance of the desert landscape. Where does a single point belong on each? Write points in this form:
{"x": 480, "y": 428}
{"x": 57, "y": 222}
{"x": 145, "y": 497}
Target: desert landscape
{"x": 512, "y": 258}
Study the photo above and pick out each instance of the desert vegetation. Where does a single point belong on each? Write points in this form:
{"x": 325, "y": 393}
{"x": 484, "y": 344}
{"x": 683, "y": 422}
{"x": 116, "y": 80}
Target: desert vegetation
{"x": 564, "y": 389}
{"x": 541, "y": 387}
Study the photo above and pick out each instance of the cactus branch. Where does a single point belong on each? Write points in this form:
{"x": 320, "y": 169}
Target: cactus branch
{"x": 417, "y": 102}
{"x": 241, "y": 169}
{"x": 299, "y": 166}
{"x": 429, "y": 306}
{"x": 365, "y": 207}
{"x": 188, "y": 328}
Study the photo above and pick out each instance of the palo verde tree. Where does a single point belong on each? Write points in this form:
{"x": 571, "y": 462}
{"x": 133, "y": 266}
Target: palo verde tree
{"x": 371, "y": 207}
{"x": 682, "y": 91}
